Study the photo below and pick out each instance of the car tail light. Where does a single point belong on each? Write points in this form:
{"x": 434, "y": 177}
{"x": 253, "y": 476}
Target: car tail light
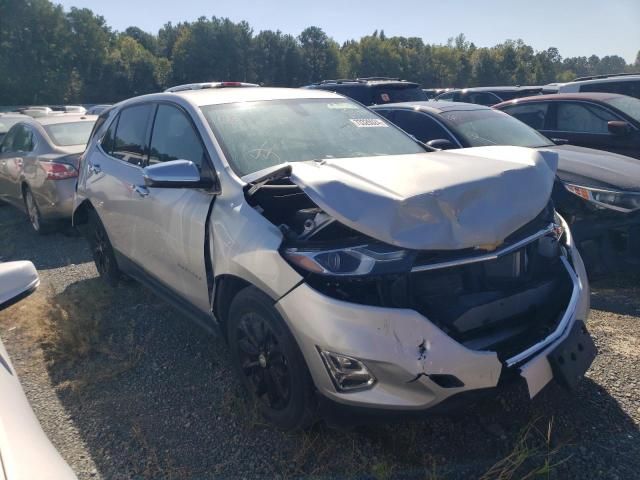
{"x": 58, "y": 171}
{"x": 231, "y": 84}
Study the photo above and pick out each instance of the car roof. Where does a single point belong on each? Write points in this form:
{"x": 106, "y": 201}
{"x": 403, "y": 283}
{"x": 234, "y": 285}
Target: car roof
{"x": 363, "y": 82}
{"x": 506, "y": 88}
{"x": 65, "y": 118}
{"x": 433, "y": 106}
{"x": 625, "y": 77}
{"x": 213, "y": 96}
{"x": 596, "y": 96}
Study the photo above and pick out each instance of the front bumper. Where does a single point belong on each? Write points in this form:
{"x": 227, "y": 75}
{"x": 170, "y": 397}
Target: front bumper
{"x": 402, "y": 348}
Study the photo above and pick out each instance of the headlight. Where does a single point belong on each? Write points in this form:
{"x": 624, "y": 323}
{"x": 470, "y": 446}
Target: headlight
{"x": 360, "y": 260}
{"x": 615, "y": 200}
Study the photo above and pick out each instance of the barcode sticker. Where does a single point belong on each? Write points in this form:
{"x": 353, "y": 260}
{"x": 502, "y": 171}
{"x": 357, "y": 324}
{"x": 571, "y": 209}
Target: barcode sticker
{"x": 368, "y": 122}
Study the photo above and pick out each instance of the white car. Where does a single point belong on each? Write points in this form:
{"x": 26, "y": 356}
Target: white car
{"x": 25, "y": 451}
{"x": 346, "y": 265}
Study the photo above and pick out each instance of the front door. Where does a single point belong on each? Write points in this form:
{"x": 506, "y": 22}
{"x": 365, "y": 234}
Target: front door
{"x": 168, "y": 225}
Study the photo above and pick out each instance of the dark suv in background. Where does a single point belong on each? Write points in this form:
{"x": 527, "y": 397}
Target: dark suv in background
{"x": 605, "y": 121}
{"x": 374, "y": 90}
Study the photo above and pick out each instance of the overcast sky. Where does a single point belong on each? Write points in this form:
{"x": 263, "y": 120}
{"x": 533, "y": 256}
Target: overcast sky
{"x": 575, "y": 27}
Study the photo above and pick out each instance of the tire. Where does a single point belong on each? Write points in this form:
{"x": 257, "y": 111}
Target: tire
{"x": 33, "y": 213}
{"x": 269, "y": 362}
{"x": 101, "y": 250}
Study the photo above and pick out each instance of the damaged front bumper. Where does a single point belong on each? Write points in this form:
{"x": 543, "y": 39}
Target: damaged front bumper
{"x": 416, "y": 365}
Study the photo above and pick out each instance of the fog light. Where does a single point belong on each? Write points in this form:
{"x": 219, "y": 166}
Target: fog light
{"x": 347, "y": 373}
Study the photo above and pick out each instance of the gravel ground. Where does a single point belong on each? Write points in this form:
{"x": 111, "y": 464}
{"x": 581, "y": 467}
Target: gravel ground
{"x": 125, "y": 387}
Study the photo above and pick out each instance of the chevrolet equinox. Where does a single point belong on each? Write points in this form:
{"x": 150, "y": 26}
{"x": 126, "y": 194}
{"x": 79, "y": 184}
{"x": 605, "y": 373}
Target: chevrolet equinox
{"x": 345, "y": 265}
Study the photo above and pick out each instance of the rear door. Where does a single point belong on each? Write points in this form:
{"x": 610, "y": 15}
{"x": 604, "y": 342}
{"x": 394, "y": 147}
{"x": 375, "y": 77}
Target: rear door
{"x": 114, "y": 168}
{"x": 168, "y": 224}
{"x": 6, "y": 153}
{"x": 12, "y": 163}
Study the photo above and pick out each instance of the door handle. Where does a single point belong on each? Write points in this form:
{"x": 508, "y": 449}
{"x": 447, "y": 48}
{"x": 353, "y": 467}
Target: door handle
{"x": 560, "y": 140}
{"x": 94, "y": 168}
{"x": 141, "y": 190}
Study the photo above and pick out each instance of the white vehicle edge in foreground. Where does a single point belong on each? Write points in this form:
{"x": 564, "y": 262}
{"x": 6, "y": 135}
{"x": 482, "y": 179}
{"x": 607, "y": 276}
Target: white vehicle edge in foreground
{"x": 25, "y": 451}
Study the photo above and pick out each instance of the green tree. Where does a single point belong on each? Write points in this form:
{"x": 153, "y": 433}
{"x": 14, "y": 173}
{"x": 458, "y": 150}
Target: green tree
{"x": 319, "y": 55}
{"x": 35, "y": 57}
{"x": 276, "y": 58}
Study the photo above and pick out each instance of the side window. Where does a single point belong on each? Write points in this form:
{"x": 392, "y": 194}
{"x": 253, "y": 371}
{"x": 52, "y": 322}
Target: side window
{"x": 23, "y": 139}
{"x": 533, "y": 114}
{"x": 421, "y": 126}
{"x": 174, "y": 138}
{"x": 483, "y": 98}
{"x": 628, "y": 87}
{"x": 107, "y": 141}
{"x": 581, "y": 117}
{"x": 445, "y": 96}
{"x": 130, "y": 142}
{"x": 7, "y": 141}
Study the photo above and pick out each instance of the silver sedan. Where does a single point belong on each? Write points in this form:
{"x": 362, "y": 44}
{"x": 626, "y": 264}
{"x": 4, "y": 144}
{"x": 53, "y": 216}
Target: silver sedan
{"x": 39, "y": 161}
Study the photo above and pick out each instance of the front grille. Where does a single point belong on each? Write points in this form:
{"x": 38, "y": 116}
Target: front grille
{"x": 504, "y": 305}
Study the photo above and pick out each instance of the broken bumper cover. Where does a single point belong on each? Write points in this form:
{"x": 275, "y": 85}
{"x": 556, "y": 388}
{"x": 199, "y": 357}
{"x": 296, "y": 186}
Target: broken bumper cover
{"x": 408, "y": 355}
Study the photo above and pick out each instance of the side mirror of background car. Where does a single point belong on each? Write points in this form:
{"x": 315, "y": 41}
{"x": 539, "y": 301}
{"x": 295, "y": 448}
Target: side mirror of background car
{"x": 175, "y": 174}
{"x": 618, "y": 127}
{"x": 440, "y": 144}
{"x": 17, "y": 280}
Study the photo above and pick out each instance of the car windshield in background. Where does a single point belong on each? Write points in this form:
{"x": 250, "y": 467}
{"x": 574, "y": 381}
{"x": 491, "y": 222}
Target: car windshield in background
{"x": 628, "y": 105}
{"x": 258, "y": 135}
{"x": 67, "y": 134}
{"x": 481, "y": 128}
{"x": 398, "y": 93}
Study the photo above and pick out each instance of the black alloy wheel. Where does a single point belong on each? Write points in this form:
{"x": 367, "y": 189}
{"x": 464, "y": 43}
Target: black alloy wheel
{"x": 263, "y": 361}
{"x": 269, "y": 362}
{"x": 102, "y": 251}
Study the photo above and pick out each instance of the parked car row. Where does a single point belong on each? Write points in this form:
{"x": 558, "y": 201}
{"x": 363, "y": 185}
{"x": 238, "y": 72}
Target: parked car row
{"x": 597, "y": 192}
{"x": 351, "y": 261}
{"x": 621, "y": 84}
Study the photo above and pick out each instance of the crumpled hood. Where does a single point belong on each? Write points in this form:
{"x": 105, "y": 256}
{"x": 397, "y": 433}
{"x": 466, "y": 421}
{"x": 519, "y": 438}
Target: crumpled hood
{"x": 433, "y": 201}
{"x": 597, "y": 168}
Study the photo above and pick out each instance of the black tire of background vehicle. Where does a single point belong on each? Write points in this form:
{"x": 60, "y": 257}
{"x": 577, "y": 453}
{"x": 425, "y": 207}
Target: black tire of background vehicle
{"x": 101, "y": 250}
{"x": 33, "y": 214}
{"x": 277, "y": 368}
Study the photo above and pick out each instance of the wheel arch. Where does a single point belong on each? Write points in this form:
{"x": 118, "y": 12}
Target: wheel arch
{"x": 226, "y": 287}
{"x": 80, "y": 213}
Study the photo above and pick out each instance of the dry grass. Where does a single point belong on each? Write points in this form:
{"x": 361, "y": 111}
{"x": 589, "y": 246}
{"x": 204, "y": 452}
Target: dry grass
{"x": 532, "y": 456}
{"x": 72, "y": 327}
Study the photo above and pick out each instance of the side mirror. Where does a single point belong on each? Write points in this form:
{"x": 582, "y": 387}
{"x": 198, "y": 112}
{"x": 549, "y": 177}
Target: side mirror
{"x": 175, "y": 174}
{"x": 440, "y": 144}
{"x": 17, "y": 280}
{"x": 618, "y": 127}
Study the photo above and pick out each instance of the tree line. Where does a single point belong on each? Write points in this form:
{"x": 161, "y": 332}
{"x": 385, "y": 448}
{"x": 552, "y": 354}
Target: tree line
{"x": 50, "y": 55}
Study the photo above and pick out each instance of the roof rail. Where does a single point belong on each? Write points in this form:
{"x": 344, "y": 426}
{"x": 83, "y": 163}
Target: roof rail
{"x": 359, "y": 80}
{"x": 608, "y": 75}
{"x": 339, "y": 80}
{"x": 368, "y": 79}
{"x": 204, "y": 85}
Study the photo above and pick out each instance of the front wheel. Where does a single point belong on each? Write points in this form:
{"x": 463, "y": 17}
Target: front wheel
{"x": 269, "y": 362}
{"x": 101, "y": 250}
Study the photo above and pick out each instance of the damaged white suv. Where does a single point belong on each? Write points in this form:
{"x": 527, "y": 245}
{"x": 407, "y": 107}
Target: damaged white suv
{"x": 345, "y": 265}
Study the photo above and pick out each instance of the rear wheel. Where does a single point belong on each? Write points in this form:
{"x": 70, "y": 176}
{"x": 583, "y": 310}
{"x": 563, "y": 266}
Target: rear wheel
{"x": 33, "y": 212}
{"x": 269, "y": 362}
{"x": 101, "y": 250}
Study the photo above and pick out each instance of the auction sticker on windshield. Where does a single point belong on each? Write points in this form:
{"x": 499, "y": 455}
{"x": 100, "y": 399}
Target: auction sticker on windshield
{"x": 368, "y": 122}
